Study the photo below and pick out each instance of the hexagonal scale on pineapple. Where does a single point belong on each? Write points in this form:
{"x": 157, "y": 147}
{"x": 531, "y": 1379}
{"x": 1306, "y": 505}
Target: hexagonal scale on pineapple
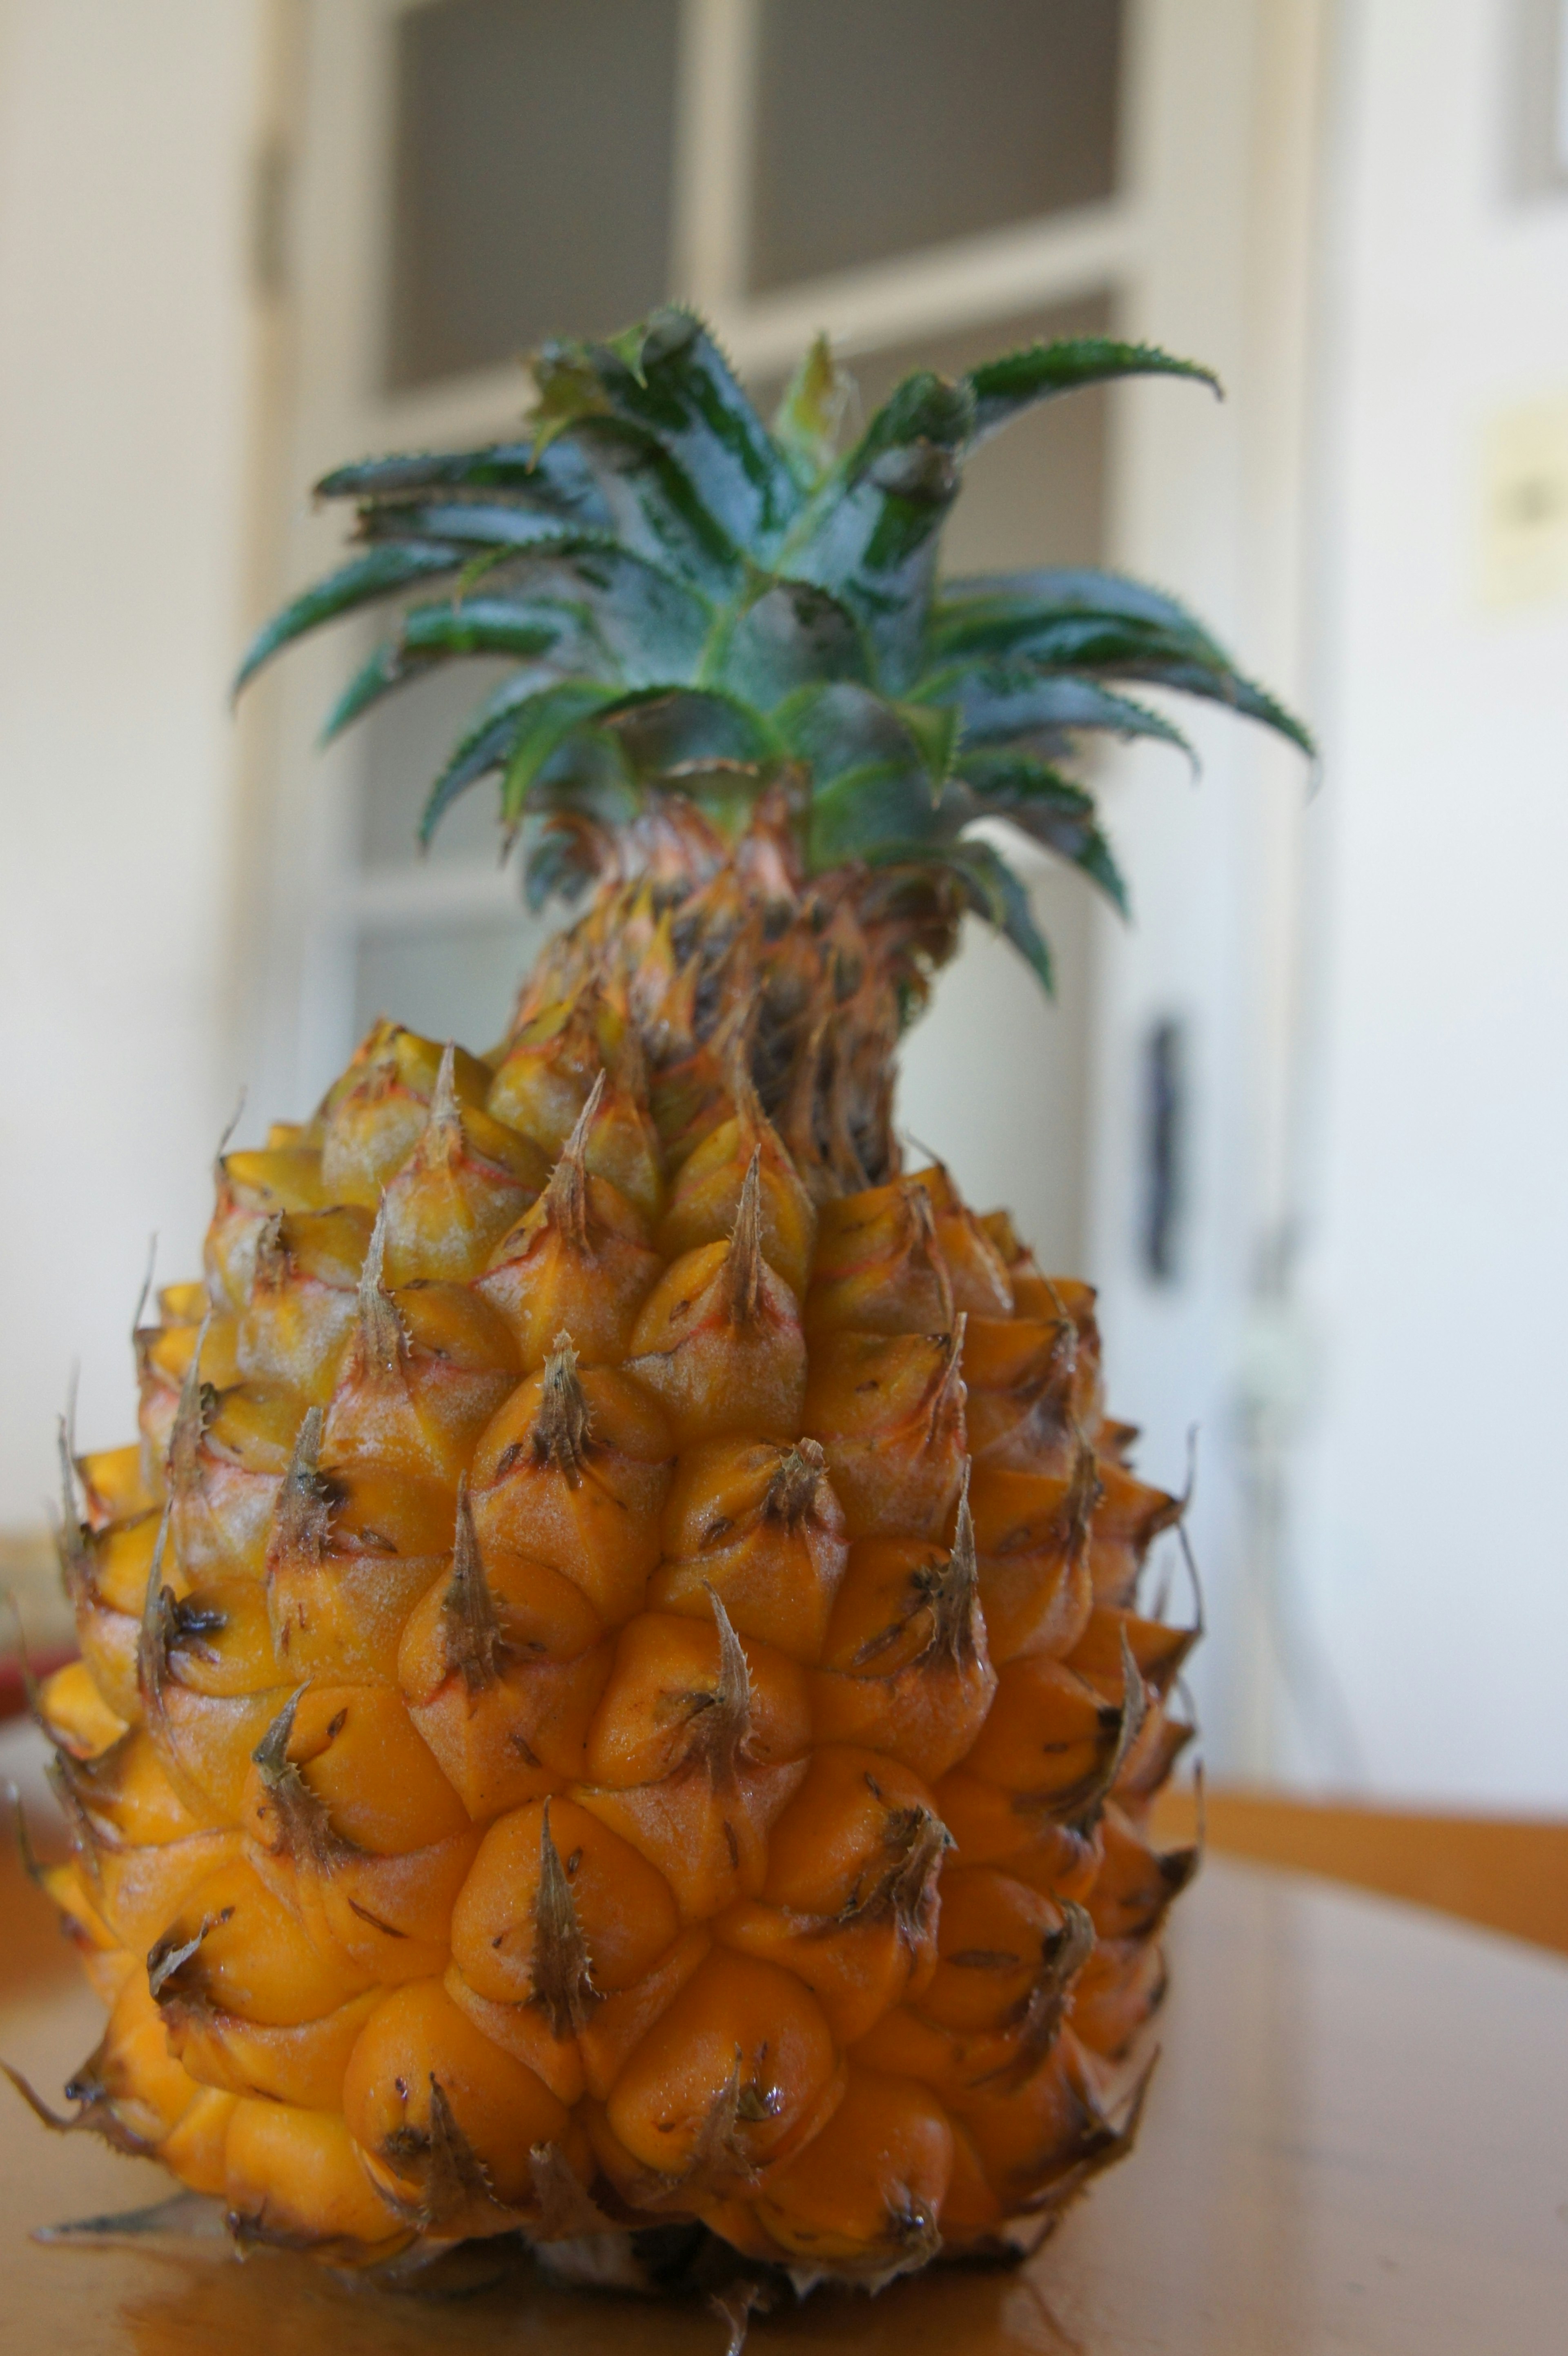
{"x": 572, "y": 1473}
{"x": 353, "y": 1826}
{"x": 1023, "y": 1383}
{"x": 1010, "y": 1958}
{"x": 353, "y": 1550}
{"x": 904, "y": 1668}
{"x": 863, "y": 2199}
{"x": 757, "y": 1524}
{"x": 1036, "y": 1590}
{"x": 294, "y": 2177}
{"x": 849, "y": 1900}
{"x": 547, "y": 1076}
{"x": 694, "y": 1751}
{"x": 719, "y": 1340}
{"x": 74, "y": 1714}
{"x": 1119, "y": 1990}
{"x": 734, "y": 2077}
{"x": 888, "y": 1413}
{"x": 301, "y": 1301}
{"x": 705, "y": 1200}
{"x": 203, "y": 1738}
{"x": 1050, "y": 1735}
{"x": 447, "y": 2122}
{"x": 579, "y": 1262}
{"x": 467, "y": 1178}
{"x": 879, "y": 1268}
{"x": 502, "y": 1697}
{"x": 114, "y": 1485}
{"x": 423, "y": 1373}
{"x": 374, "y": 1116}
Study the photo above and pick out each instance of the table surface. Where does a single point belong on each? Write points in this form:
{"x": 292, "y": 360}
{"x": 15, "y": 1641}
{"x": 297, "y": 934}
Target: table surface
{"x": 1357, "y": 2140}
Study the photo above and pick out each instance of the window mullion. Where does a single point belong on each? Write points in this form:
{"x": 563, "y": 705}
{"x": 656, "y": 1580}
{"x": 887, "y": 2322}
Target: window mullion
{"x": 942, "y": 289}
{"x": 713, "y": 132}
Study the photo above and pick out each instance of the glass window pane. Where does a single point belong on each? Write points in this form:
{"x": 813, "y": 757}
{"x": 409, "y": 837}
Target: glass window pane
{"x": 531, "y": 175}
{"x": 449, "y": 982}
{"x": 885, "y": 125}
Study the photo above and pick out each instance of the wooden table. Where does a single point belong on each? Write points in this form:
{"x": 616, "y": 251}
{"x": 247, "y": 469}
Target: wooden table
{"x": 1357, "y": 2140}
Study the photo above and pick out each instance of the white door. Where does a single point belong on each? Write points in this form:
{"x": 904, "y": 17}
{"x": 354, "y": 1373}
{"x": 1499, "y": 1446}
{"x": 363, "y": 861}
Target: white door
{"x": 930, "y": 182}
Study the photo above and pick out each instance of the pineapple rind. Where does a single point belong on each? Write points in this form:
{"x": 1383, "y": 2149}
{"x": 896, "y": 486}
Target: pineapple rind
{"x": 621, "y": 1697}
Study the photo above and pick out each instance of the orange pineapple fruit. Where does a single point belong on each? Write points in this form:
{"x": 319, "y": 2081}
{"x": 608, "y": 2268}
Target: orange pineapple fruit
{"x": 612, "y": 1692}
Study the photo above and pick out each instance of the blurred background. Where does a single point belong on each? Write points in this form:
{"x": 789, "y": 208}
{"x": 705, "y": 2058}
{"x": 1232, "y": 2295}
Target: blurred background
{"x": 1306, "y": 1124}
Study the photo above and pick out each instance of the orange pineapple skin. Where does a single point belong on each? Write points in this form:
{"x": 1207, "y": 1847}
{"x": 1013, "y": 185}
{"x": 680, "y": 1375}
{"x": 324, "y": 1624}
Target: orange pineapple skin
{"x": 611, "y": 1688}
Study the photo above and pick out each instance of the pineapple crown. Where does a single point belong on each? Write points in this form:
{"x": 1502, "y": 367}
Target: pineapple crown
{"x": 700, "y": 605}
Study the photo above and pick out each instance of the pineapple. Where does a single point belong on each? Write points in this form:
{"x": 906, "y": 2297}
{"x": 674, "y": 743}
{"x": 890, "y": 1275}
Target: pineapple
{"x": 612, "y": 1695}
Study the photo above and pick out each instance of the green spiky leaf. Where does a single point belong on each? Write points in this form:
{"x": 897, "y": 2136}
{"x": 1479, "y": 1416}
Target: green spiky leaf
{"x": 654, "y": 507}
{"x": 639, "y": 619}
{"x": 560, "y": 863}
{"x": 1000, "y": 896}
{"x": 555, "y": 479}
{"x": 870, "y": 536}
{"x": 791, "y": 636}
{"x": 473, "y": 524}
{"x": 868, "y": 807}
{"x": 546, "y": 722}
{"x": 485, "y": 745}
{"x": 663, "y": 731}
{"x": 670, "y": 378}
{"x": 1002, "y": 702}
{"x": 806, "y": 420}
{"x": 935, "y": 730}
{"x": 694, "y": 604}
{"x": 433, "y": 634}
{"x": 841, "y": 726}
{"x": 1095, "y": 622}
{"x": 365, "y": 581}
{"x": 1046, "y": 805}
{"x": 1004, "y": 387}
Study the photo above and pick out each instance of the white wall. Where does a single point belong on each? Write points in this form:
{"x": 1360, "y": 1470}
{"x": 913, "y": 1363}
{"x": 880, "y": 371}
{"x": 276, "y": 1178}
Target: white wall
{"x": 1214, "y": 123}
{"x": 126, "y": 150}
{"x": 1430, "y": 1538}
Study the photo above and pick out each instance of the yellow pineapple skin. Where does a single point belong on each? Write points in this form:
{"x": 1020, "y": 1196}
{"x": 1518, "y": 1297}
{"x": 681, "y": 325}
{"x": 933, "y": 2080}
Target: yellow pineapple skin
{"x": 611, "y": 1688}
